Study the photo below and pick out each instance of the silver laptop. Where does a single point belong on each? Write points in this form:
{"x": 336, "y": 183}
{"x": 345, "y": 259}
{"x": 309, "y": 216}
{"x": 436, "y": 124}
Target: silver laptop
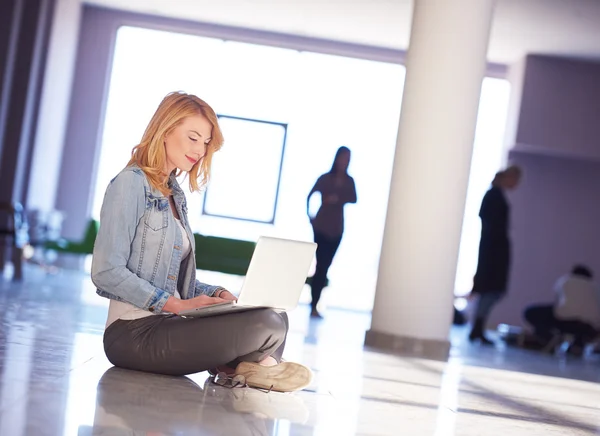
{"x": 275, "y": 278}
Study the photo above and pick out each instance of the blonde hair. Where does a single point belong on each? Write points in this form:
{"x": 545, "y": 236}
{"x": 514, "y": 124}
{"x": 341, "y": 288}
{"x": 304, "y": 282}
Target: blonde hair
{"x": 512, "y": 170}
{"x": 150, "y": 154}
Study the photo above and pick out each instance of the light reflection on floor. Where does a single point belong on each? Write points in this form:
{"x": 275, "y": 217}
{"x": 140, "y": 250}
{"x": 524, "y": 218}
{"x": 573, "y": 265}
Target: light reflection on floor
{"x": 56, "y": 381}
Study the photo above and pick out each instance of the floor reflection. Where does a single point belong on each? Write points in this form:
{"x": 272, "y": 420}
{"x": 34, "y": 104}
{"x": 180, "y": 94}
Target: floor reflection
{"x": 56, "y": 381}
{"x": 151, "y": 404}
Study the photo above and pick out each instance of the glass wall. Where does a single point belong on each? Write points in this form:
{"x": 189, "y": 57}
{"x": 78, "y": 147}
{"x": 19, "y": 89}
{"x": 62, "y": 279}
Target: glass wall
{"x": 324, "y": 102}
{"x": 488, "y": 157}
{"x": 320, "y": 101}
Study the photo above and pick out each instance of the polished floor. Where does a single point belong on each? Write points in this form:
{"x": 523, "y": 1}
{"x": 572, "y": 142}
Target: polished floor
{"x": 56, "y": 381}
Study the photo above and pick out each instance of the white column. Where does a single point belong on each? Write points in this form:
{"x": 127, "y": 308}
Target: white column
{"x": 446, "y": 64}
{"x": 54, "y": 105}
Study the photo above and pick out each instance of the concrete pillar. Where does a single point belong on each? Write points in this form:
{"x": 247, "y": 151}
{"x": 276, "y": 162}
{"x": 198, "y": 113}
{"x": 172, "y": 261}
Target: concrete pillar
{"x": 446, "y": 64}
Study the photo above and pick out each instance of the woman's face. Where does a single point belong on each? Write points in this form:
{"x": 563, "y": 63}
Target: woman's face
{"x": 342, "y": 161}
{"x": 186, "y": 144}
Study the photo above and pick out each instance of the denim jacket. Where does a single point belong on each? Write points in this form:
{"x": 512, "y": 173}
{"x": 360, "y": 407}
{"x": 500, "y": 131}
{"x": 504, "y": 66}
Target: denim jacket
{"x": 137, "y": 254}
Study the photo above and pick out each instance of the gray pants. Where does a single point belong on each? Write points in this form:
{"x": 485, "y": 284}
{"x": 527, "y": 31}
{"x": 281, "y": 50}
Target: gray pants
{"x": 171, "y": 345}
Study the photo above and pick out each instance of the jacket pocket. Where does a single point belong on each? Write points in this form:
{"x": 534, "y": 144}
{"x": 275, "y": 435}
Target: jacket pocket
{"x": 157, "y": 220}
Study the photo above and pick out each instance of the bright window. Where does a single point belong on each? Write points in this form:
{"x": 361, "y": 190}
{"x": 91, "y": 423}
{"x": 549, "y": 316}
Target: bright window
{"x": 254, "y": 153}
{"x": 488, "y": 157}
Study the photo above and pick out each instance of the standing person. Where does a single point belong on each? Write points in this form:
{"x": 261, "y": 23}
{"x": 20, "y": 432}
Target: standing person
{"x": 491, "y": 278}
{"x": 144, "y": 262}
{"x": 337, "y": 189}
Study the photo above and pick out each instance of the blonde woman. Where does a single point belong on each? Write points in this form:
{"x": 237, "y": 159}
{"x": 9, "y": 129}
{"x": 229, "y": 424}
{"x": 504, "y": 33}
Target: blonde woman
{"x": 144, "y": 263}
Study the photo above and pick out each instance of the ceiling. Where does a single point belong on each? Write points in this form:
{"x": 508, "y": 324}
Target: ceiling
{"x": 556, "y": 27}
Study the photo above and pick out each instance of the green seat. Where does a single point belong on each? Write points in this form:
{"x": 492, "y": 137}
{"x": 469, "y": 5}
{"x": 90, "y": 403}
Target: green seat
{"x": 85, "y": 246}
{"x": 230, "y": 256}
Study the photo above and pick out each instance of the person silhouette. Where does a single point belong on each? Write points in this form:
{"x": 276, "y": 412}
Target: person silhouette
{"x": 493, "y": 267}
{"x": 337, "y": 189}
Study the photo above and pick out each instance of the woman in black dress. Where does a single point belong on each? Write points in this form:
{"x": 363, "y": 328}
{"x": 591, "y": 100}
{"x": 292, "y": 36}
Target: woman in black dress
{"x": 491, "y": 278}
{"x": 337, "y": 189}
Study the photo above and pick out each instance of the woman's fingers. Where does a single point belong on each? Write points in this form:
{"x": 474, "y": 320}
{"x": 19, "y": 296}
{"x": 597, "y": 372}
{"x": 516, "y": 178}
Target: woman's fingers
{"x": 212, "y": 300}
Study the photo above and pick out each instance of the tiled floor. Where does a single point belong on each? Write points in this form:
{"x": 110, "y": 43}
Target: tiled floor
{"x": 56, "y": 381}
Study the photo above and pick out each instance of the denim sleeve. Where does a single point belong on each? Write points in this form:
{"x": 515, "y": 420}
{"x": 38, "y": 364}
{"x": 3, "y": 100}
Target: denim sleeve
{"x": 204, "y": 289}
{"x": 122, "y": 209}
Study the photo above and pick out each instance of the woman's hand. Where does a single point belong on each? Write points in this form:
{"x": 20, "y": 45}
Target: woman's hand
{"x": 175, "y": 305}
{"x": 225, "y": 295}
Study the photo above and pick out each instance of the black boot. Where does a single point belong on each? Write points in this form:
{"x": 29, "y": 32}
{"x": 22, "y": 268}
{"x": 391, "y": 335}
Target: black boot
{"x": 314, "y": 313}
{"x": 315, "y": 291}
{"x": 477, "y": 332}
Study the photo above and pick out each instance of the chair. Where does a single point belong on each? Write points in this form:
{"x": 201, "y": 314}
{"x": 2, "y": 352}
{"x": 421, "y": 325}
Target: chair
{"x": 13, "y": 235}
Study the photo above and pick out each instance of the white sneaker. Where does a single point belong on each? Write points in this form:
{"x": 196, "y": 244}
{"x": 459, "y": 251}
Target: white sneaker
{"x": 285, "y": 377}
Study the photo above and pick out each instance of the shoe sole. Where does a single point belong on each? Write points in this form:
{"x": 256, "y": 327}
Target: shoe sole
{"x": 285, "y": 377}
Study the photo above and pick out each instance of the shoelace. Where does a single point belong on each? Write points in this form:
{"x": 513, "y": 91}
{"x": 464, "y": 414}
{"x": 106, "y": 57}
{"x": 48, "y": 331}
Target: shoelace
{"x": 235, "y": 381}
